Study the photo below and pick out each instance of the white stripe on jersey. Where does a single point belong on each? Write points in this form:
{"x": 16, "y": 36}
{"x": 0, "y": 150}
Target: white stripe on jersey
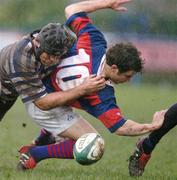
{"x": 66, "y": 69}
{"x": 80, "y": 58}
{"x": 101, "y": 67}
{"x": 102, "y": 64}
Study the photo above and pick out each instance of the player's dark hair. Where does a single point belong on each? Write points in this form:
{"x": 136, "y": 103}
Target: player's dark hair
{"x": 125, "y": 56}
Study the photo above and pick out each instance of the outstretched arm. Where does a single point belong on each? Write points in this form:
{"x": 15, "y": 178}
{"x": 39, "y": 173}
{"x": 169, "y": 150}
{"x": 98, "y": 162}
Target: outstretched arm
{"x": 93, "y": 5}
{"x": 132, "y": 128}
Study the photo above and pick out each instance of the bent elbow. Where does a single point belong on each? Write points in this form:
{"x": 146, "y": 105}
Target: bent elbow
{"x": 42, "y": 106}
{"x": 68, "y": 11}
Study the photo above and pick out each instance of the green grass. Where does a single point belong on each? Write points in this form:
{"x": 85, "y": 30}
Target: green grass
{"x": 136, "y": 102}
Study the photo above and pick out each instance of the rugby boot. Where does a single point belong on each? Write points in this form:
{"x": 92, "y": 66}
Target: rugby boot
{"x": 138, "y": 160}
{"x": 26, "y": 160}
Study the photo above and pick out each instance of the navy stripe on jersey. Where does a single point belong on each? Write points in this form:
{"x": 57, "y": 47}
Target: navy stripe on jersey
{"x": 18, "y": 55}
{"x": 73, "y": 17}
{"x": 36, "y": 96}
{"x": 70, "y": 78}
{"x": 98, "y": 37}
{"x": 19, "y": 83}
{"x": 22, "y": 74}
{"x": 108, "y": 102}
{"x": 117, "y": 125}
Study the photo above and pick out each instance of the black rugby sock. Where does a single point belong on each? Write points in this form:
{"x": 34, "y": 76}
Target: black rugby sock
{"x": 170, "y": 121}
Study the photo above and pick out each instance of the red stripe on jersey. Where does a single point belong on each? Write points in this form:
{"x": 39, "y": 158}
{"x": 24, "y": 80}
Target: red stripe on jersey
{"x": 67, "y": 150}
{"x": 54, "y": 150}
{"x": 79, "y": 23}
{"x": 53, "y": 79}
{"x": 93, "y": 99}
{"x": 63, "y": 150}
{"x": 72, "y": 142}
{"x": 49, "y": 150}
{"x": 58, "y": 149}
{"x": 75, "y": 104}
{"x": 111, "y": 117}
{"x": 84, "y": 42}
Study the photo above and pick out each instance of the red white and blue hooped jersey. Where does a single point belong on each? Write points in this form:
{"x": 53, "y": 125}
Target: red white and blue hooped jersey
{"x": 87, "y": 57}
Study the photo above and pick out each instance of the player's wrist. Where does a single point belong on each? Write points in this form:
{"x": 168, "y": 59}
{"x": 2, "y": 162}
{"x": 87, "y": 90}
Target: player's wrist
{"x": 81, "y": 90}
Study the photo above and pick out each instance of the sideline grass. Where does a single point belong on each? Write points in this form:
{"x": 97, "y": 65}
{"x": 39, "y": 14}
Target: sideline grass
{"x": 136, "y": 102}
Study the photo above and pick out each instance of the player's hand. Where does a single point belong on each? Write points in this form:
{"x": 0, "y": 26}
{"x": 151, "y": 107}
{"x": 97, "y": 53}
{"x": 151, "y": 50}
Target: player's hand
{"x": 158, "y": 118}
{"x": 93, "y": 84}
{"x": 117, "y": 5}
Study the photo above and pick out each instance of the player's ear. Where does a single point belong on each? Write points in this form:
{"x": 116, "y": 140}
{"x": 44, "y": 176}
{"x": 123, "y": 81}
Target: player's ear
{"x": 36, "y": 42}
{"x": 114, "y": 68}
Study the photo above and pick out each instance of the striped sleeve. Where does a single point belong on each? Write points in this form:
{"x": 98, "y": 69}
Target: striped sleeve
{"x": 83, "y": 26}
{"x": 78, "y": 22}
{"x": 24, "y": 74}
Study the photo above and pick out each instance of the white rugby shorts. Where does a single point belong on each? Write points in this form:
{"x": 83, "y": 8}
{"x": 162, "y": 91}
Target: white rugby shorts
{"x": 55, "y": 120}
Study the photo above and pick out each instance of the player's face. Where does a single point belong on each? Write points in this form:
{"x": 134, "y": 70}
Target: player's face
{"x": 49, "y": 60}
{"x": 118, "y": 77}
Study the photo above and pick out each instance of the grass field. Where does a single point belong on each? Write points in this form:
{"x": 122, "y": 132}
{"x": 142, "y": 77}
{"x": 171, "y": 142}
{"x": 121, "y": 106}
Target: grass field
{"x": 137, "y": 102}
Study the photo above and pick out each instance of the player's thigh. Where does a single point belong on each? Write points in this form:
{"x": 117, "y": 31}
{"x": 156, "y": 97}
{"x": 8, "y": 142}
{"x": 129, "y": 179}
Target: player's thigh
{"x": 60, "y": 121}
{"x": 4, "y": 107}
{"x": 54, "y": 120}
{"x": 78, "y": 129}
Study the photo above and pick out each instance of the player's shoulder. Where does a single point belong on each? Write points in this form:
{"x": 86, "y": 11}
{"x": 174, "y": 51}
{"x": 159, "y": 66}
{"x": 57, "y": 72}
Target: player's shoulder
{"x": 23, "y": 57}
{"x": 108, "y": 91}
{"x": 77, "y": 17}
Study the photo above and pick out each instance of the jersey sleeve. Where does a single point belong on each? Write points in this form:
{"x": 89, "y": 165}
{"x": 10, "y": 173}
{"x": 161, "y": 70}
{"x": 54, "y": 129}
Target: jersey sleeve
{"x": 104, "y": 107}
{"x": 25, "y": 76}
{"x": 110, "y": 115}
{"x": 86, "y": 32}
{"x": 28, "y": 85}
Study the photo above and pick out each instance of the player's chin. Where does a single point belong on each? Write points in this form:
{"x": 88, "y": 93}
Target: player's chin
{"x": 50, "y": 63}
{"x": 116, "y": 81}
{"x": 120, "y": 81}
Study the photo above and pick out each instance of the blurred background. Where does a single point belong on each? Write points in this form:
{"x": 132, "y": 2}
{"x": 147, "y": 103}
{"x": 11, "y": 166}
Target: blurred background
{"x": 150, "y": 25}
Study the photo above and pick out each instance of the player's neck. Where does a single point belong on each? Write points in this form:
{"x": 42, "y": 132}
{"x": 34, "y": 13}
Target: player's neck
{"x": 106, "y": 70}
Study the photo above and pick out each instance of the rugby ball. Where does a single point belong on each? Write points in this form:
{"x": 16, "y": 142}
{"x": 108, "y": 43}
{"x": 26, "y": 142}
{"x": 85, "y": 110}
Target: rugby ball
{"x": 88, "y": 149}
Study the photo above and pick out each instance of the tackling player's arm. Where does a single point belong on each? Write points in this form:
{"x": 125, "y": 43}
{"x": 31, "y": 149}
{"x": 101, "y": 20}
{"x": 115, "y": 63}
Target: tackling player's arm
{"x": 52, "y": 100}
